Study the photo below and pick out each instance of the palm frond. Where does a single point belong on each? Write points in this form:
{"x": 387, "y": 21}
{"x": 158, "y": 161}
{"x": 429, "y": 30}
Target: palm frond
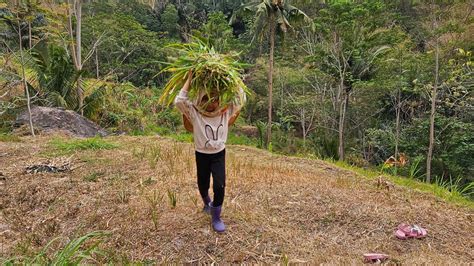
{"x": 55, "y": 99}
{"x": 297, "y": 15}
{"x": 263, "y": 10}
{"x": 94, "y": 101}
{"x": 281, "y": 21}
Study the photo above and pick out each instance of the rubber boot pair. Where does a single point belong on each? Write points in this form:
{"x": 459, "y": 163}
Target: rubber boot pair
{"x": 215, "y": 212}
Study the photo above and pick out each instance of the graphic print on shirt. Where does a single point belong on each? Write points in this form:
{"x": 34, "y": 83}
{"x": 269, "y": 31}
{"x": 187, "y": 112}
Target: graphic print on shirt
{"x": 214, "y": 140}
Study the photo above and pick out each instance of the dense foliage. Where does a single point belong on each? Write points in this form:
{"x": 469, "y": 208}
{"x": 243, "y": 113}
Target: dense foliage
{"x": 360, "y": 84}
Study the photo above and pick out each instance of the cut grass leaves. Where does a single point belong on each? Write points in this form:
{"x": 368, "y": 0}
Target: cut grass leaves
{"x": 212, "y": 73}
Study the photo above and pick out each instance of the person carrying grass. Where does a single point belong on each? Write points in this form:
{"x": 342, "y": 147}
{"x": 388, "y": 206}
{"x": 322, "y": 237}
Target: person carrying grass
{"x": 209, "y": 122}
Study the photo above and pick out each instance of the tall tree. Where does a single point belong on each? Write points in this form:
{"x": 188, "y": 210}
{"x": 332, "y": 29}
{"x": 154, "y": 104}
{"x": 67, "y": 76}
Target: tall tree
{"x": 434, "y": 94}
{"x": 441, "y": 26}
{"x": 19, "y": 17}
{"x": 398, "y": 62}
{"x": 75, "y": 11}
{"x": 350, "y": 41}
{"x": 270, "y": 15}
{"x": 169, "y": 21}
{"x": 28, "y": 98}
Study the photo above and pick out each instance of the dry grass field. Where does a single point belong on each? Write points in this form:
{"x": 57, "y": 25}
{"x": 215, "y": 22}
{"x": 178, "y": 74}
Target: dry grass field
{"x": 142, "y": 191}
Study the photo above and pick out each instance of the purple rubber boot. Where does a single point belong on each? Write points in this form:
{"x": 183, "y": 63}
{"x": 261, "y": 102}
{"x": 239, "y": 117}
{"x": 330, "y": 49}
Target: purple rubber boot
{"x": 217, "y": 223}
{"x": 207, "y": 208}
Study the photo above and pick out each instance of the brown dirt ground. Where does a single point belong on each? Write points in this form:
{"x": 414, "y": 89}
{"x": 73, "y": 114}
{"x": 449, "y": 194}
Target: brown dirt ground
{"x": 276, "y": 209}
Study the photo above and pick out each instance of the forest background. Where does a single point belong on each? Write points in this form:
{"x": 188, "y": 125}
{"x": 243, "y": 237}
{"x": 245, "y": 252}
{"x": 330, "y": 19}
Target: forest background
{"x": 355, "y": 81}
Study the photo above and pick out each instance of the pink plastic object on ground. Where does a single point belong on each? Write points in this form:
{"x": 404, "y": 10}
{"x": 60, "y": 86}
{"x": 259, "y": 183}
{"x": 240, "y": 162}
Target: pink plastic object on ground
{"x": 405, "y": 231}
{"x": 375, "y": 257}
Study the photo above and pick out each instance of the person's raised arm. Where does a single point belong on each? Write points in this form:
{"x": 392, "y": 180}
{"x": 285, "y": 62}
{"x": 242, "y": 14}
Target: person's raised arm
{"x": 184, "y": 105}
{"x": 181, "y": 101}
{"x": 237, "y": 106}
{"x": 183, "y": 93}
{"x": 233, "y": 118}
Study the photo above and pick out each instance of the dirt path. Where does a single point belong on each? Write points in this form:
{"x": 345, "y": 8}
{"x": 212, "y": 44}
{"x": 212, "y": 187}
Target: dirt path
{"x": 276, "y": 208}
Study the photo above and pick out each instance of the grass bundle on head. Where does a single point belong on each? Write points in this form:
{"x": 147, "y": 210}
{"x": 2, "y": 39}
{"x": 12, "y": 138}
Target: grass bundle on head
{"x": 213, "y": 73}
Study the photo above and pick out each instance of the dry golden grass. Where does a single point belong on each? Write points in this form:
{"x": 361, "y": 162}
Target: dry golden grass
{"x": 277, "y": 209}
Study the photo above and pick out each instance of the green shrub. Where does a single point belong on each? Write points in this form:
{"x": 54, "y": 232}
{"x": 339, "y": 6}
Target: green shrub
{"x": 241, "y": 140}
{"x": 95, "y": 143}
{"x": 9, "y": 138}
{"x": 73, "y": 253}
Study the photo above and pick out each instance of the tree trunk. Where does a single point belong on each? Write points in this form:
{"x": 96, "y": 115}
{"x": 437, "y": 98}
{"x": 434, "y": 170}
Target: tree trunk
{"x": 342, "y": 121}
{"x": 397, "y": 124}
{"x": 270, "y": 78}
{"x": 97, "y": 62}
{"x": 29, "y": 35}
{"x": 429, "y": 157}
{"x": 303, "y": 126}
{"x": 80, "y": 94}
{"x": 28, "y": 100}
{"x": 398, "y": 108}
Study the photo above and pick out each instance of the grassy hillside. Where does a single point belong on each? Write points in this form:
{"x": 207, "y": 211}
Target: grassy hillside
{"x": 141, "y": 191}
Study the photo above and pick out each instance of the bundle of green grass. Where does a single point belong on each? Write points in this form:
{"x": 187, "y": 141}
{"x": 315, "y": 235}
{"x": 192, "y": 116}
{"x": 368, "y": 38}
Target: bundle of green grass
{"x": 213, "y": 73}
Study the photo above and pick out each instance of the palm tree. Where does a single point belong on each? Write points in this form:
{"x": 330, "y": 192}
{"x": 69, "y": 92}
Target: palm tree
{"x": 270, "y": 15}
{"x": 50, "y": 76}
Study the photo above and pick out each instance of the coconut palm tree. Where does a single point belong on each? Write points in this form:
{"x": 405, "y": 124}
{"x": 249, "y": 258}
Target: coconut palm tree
{"x": 271, "y": 15}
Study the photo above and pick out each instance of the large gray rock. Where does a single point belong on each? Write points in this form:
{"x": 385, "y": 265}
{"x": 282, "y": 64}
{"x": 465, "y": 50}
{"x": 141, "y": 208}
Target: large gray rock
{"x": 48, "y": 119}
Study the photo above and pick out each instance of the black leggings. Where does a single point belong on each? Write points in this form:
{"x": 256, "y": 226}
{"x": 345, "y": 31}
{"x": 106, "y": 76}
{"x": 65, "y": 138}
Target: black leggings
{"x": 215, "y": 164}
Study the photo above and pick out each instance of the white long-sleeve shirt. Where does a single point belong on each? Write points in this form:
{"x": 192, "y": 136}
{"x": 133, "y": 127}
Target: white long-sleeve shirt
{"x": 210, "y": 133}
